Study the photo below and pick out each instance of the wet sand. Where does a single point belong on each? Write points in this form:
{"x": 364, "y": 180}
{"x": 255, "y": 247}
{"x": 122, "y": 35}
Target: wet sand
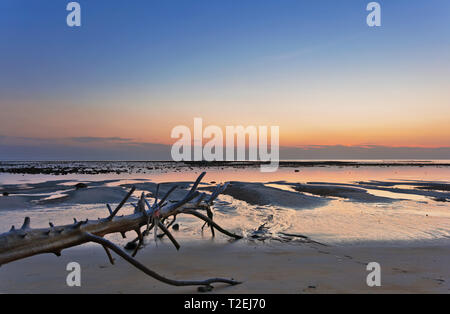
{"x": 263, "y": 268}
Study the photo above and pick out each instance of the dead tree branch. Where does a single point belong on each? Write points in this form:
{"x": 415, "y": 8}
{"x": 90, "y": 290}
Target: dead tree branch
{"x": 25, "y": 242}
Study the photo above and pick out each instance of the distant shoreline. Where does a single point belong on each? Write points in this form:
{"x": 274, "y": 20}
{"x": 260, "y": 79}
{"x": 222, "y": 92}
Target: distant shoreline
{"x": 118, "y": 167}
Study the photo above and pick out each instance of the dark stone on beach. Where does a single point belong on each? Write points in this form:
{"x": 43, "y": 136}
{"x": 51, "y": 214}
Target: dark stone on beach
{"x": 296, "y": 170}
{"x": 205, "y": 288}
{"x": 80, "y": 186}
{"x": 130, "y": 246}
{"x": 311, "y": 287}
{"x": 5, "y": 194}
{"x": 176, "y": 227}
{"x": 213, "y": 182}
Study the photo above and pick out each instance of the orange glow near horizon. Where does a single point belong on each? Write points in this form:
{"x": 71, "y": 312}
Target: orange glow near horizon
{"x": 149, "y": 128}
{"x": 333, "y": 118}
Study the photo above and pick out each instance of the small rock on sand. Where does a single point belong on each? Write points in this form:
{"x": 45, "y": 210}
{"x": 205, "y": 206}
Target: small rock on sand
{"x": 80, "y": 186}
{"x": 205, "y": 288}
{"x": 130, "y": 246}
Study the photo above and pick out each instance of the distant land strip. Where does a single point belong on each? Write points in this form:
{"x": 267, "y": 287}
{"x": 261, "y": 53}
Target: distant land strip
{"x": 118, "y": 167}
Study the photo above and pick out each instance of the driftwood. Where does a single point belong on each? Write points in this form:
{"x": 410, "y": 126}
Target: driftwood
{"x": 24, "y": 242}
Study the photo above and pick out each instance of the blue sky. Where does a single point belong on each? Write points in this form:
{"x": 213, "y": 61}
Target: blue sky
{"x": 163, "y": 42}
{"x": 313, "y": 67}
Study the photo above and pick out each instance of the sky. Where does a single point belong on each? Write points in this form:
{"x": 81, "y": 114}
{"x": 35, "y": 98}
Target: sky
{"x": 134, "y": 70}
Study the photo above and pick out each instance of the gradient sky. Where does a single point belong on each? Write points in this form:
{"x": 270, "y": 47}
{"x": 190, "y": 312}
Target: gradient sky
{"x": 135, "y": 69}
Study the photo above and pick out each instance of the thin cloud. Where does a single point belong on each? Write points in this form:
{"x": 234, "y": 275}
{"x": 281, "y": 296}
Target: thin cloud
{"x": 90, "y": 139}
{"x": 118, "y": 148}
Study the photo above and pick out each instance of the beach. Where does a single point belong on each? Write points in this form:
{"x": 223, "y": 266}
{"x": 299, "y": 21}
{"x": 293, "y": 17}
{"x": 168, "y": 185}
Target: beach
{"x": 305, "y": 229}
{"x": 262, "y": 268}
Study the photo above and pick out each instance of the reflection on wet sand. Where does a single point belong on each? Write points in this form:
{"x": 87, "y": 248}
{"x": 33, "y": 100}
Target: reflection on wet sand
{"x": 327, "y": 204}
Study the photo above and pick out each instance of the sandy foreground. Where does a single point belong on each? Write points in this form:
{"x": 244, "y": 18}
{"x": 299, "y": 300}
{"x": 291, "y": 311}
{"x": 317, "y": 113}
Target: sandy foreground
{"x": 263, "y": 268}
